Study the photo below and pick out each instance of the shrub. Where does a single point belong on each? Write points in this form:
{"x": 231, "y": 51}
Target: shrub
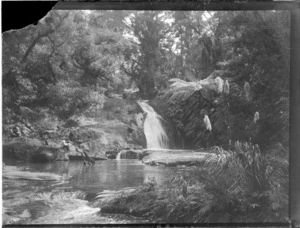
{"x": 67, "y": 99}
{"x": 242, "y": 185}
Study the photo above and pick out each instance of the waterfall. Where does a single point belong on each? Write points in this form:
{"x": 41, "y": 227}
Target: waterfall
{"x": 154, "y": 132}
{"x": 118, "y": 157}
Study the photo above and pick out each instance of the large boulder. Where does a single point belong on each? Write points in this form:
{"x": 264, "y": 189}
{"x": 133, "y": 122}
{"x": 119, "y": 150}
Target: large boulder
{"x": 99, "y": 138}
{"x": 31, "y": 150}
{"x": 45, "y": 154}
{"x": 20, "y": 148}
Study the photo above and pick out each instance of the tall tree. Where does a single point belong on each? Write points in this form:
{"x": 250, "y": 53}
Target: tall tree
{"x": 149, "y": 29}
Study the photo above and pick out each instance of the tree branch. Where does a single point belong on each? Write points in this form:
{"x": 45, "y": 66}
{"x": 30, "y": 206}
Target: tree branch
{"x": 48, "y": 32}
{"x": 35, "y": 41}
{"x": 190, "y": 24}
{"x": 131, "y": 74}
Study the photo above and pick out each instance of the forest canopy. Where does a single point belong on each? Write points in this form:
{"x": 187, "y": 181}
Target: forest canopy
{"x": 72, "y": 61}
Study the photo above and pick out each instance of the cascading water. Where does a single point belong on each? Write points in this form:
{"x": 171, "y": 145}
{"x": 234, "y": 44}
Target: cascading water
{"x": 154, "y": 132}
{"x": 118, "y": 157}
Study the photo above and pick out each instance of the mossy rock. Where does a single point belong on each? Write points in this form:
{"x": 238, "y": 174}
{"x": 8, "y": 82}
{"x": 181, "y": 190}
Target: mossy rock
{"x": 45, "y": 154}
{"x": 32, "y": 150}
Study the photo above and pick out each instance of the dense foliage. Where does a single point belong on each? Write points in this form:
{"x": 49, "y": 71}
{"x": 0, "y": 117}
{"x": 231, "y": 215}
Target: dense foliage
{"x": 64, "y": 64}
{"x": 242, "y": 185}
{"x": 73, "y": 60}
{"x": 249, "y": 50}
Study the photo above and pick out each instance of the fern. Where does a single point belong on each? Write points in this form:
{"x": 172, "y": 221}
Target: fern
{"x": 244, "y": 184}
{"x": 180, "y": 89}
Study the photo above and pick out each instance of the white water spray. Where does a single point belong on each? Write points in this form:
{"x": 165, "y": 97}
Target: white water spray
{"x": 154, "y": 132}
{"x": 118, "y": 157}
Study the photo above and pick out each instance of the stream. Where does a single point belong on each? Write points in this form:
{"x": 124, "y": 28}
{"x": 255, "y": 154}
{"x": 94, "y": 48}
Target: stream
{"x": 20, "y": 195}
{"x": 59, "y": 202}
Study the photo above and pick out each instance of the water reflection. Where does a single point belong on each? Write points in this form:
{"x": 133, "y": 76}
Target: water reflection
{"x": 104, "y": 175}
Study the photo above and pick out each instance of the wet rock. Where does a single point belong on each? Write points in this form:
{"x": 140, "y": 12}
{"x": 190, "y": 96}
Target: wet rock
{"x": 99, "y": 138}
{"x": 166, "y": 157}
{"x": 35, "y": 153}
{"x": 99, "y": 156}
{"x": 111, "y": 154}
{"x": 76, "y": 153}
{"x": 177, "y": 157}
{"x": 21, "y": 148}
{"x": 136, "y": 132}
{"x": 132, "y": 154}
{"x": 45, "y": 154}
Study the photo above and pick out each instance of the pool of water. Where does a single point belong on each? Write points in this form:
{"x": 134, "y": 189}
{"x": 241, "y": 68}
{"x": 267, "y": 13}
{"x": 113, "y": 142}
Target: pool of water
{"x": 18, "y": 194}
{"x": 92, "y": 179}
{"x": 104, "y": 175}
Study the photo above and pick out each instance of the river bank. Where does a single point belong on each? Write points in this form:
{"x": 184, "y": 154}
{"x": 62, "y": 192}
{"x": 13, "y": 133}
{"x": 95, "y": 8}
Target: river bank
{"x": 118, "y": 126}
{"x": 220, "y": 190}
{"x": 140, "y": 185}
{"x": 54, "y": 182}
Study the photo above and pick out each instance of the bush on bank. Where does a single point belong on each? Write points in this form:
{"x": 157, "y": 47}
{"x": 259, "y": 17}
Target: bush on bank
{"x": 243, "y": 185}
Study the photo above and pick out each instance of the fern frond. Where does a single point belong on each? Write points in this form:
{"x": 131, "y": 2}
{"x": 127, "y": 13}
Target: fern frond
{"x": 183, "y": 89}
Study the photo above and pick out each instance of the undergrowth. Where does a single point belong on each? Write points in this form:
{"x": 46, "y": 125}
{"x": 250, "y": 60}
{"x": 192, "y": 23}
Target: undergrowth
{"x": 240, "y": 185}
